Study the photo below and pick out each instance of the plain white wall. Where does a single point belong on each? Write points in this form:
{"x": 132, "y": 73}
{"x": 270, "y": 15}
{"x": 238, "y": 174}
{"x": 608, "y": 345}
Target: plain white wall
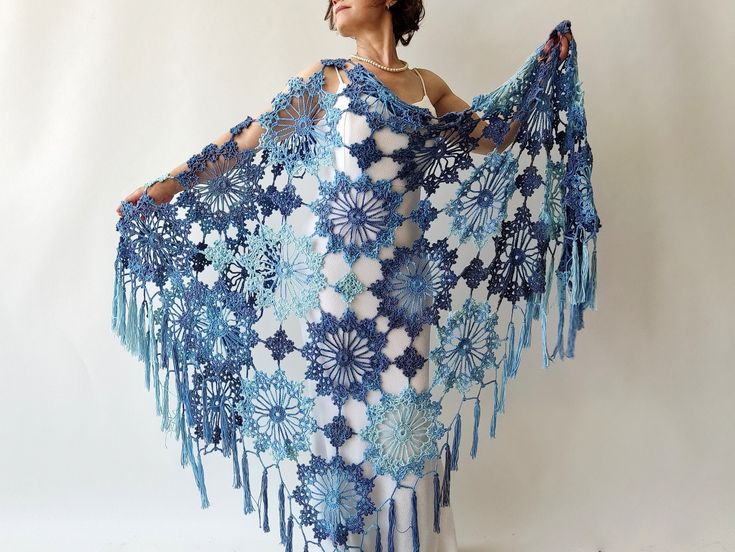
{"x": 627, "y": 447}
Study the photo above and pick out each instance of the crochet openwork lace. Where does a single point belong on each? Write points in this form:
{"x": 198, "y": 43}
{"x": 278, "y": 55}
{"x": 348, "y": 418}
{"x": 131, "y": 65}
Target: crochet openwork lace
{"x": 208, "y": 287}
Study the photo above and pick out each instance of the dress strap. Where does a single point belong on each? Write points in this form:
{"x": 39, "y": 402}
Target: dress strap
{"x": 336, "y": 69}
{"x": 422, "y": 80}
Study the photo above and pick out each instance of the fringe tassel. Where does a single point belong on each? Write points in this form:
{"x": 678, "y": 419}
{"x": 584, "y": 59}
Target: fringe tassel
{"x": 198, "y": 468}
{"x": 574, "y": 271}
{"x": 378, "y": 540}
{"x": 513, "y": 348}
{"x": 544, "y": 339}
{"x": 165, "y": 346}
{"x": 164, "y": 406}
{"x": 131, "y": 329}
{"x": 179, "y": 420}
{"x": 236, "y": 481}
{"x": 225, "y": 430}
{"x": 140, "y": 339}
{"x": 186, "y": 393}
{"x": 510, "y": 347}
{"x": 177, "y": 370}
{"x": 475, "y": 428}
{"x": 282, "y": 512}
{"x": 544, "y": 309}
{"x": 415, "y": 522}
{"x": 120, "y": 311}
{"x": 575, "y": 323}
{"x": 591, "y": 289}
{"x": 391, "y": 525}
{"x": 496, "y": 407}
{"x": 436, "y": 502}
{"x": 157, "y": 381}
{"x": 528, "y": 316}
{"x": 456, "y": 441}
{"x": 263, "y": 504}
{"x": 151, "y": 357}
{"x": 445, "y": 480}
{"x": 500, "y": 400}
{"x": 583, "y": 275}
{"x": 145, "y": 342}
{"x": 289, "y": 535}
{"x": 247, "y": 495}
{"x": 561, "y": 285}
{"x": 116, "y": 291}
{"x": 186, "y": 454}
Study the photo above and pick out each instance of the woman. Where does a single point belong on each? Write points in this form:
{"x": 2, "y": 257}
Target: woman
{"x": 377, "y": 26}
{"x": 346, "y": 351}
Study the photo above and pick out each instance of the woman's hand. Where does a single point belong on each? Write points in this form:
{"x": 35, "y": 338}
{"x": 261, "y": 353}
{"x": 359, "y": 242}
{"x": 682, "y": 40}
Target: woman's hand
{"x": 553, "y": 41}
{"x": 160, "y": 192}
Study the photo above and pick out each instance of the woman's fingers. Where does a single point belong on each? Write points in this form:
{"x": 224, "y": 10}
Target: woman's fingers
{"x": 158, "y": 193}
{"x": 550, "y": 43}
{"x": 553, "y": 41}
{"x": 564, "y": 50}
{"x": 132, "y": 197}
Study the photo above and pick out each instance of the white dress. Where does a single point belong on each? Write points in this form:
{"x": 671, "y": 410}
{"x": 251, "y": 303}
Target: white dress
{"x": 353, "y": 128}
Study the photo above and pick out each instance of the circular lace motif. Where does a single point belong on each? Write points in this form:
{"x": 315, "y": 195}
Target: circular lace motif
{"x": 402, "y": 433}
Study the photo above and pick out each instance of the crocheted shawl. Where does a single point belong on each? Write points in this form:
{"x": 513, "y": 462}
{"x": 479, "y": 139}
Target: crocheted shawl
{"x": 209, "y": 288}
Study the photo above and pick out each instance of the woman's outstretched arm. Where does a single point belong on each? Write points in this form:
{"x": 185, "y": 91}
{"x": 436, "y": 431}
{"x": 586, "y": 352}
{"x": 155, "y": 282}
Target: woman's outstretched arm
{"x": 165, "y": 190}
{"x": 446, "y": 101}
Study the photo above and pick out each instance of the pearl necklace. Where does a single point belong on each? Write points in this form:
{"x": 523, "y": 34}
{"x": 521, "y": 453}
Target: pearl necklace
{"x": 380, "y": 65}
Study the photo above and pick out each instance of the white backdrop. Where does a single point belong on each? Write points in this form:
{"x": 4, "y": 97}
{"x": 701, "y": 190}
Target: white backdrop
{"x": 627, "y": 447}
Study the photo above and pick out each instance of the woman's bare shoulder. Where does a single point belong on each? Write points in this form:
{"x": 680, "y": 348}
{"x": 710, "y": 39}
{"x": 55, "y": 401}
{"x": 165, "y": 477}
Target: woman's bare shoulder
{"x": 330, "y": 78}
{"x": 440, "y": 94}
{"x": 308, "y": 71}
{"x": 436, "y": 87}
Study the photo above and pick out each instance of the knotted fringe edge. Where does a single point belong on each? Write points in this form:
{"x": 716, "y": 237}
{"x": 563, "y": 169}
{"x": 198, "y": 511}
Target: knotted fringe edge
{"x": 133, "y": 325}
{"x": 580, "y": 283}
{"x": 132, "y": 321}
{"x": 581, "y": 279}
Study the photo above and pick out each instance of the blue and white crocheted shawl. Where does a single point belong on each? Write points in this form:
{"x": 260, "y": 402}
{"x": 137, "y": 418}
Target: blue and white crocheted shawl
{"x": 209, "y": 288}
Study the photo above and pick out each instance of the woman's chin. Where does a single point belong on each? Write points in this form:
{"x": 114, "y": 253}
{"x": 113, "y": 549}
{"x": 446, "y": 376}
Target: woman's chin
{"x": 345, "y": 27}
{"x": 345, "y": 34}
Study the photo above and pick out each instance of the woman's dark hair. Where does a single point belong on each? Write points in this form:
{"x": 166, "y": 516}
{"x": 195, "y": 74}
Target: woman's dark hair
{"x": 406, "y": 17}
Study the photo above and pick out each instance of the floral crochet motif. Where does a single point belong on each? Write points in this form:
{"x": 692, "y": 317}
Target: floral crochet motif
{"x": 416, "y": 283}
{"x": 358, "y": 217}
{"x": 344, "y": 355}
{"x": 467, "y": 346}
{"x": 334, "y": 497}
{"x": 276, "y": 414}
{"x": 481, "y": 202}
{"x": 518, "y": 266}
{"x": 283, "y": 271}
{"x": 300, "y": 131}
{"x": 402, "y": 432}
